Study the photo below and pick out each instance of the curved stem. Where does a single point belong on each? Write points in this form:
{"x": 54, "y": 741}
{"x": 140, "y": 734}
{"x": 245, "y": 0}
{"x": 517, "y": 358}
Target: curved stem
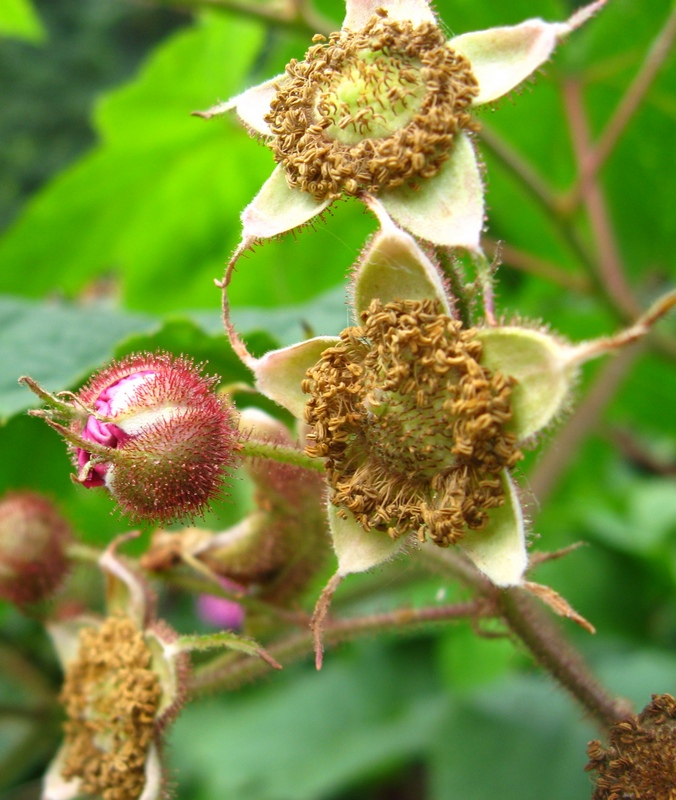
{"x": 549, "y": 203}
{"x": 627, "y": 107}
{"x": 610, "y": 268}
{"x": 231, "y": 671}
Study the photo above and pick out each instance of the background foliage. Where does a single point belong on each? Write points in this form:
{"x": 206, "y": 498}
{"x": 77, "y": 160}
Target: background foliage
{"x": 120, "y": 210}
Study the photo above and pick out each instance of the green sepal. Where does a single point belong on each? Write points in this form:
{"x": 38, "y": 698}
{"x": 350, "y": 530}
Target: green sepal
{"x": 542, "y": 368}
{"x": 359, "y": 550}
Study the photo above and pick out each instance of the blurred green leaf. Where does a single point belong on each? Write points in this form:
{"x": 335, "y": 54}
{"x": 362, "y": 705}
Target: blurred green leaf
{"x": 158, "y": 201}
{"x": 525, "y": 737}
{"x": 56, "y": 344}
{"x": 647, "y": 520}
{"x": 18, "y": 18}
{"x": 309, "y": 734}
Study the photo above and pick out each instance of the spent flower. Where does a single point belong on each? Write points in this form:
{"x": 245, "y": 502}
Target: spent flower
{"x": 125, "y": 680}
{"x": 382, "y": 109}
{"x": 152, "y": 430}
{"x": 419, "y": 420}
{"x": 639, "y": 760}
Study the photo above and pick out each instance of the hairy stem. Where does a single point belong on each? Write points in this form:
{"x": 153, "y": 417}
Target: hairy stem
{"x": 546, "y": 644}
{"x": 284, "y": 455}
{"x": 229, "y": 672}
{"x": 539, "y": 634}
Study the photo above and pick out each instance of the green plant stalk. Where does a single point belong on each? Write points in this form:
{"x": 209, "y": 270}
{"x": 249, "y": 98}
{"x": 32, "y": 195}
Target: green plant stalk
{"x": 284, "y": 455}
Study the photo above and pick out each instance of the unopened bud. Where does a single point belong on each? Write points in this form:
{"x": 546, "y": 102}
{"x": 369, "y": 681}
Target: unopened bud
{"x": 152, "y": 430}
{"x": 33, "y": 539}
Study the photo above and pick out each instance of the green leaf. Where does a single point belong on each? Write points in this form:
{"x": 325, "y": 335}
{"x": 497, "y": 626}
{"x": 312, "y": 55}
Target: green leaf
{"x": 314, "y": 733}
{"x": 157, "y": 202}
{"x": 18, "y": 18}
{"x": 56, "y": 344}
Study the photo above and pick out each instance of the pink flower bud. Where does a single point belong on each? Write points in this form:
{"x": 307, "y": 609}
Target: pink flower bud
{"x": 163, "y": 440}
{"x": 220, "y": 612}
{"x": 33, "y": 538}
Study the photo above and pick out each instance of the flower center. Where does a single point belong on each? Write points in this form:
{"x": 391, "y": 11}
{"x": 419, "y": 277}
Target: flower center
{"x": 354, "y": 101}
{"x": 371, "y": 110}
{"x": 111, "y": 697}
{"x": 412, "y": 427}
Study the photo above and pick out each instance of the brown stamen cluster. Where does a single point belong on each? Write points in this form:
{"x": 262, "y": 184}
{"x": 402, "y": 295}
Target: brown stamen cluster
{"x": 413, "y": 99}
{"x": 640, "y": 760}
{"x": 111, "y": 697}
{"x": 412, "y": 427}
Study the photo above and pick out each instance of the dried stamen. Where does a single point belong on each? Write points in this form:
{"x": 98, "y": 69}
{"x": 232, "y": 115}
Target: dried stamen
{"x": 111, "y": 697}
{"x": 371, "y": 110}
{"x": 412, "y": 427}
{"x": 640, "y": 758}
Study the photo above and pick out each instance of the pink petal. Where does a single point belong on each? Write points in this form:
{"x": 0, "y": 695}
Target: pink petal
{"x": 448, "y": 209}
{"x": 280, "y": 373}
{"x": 502, "y": 58}
{"x": 277, "y": 209}
{"x": 358, "y": 12}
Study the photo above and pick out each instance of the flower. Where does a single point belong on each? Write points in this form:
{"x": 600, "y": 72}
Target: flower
{"x": 33, "y": 541}
{"x": 421, "y": 421}
{"x": 151, "y": 429}
{"x": 381, "y": 110}
{"x": 125, "y": 680}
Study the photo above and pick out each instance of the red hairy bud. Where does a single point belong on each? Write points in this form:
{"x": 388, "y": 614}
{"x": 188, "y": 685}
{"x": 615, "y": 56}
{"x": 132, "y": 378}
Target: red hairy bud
{"x": 33, "y": 538}
{"x": 162, "y": 440}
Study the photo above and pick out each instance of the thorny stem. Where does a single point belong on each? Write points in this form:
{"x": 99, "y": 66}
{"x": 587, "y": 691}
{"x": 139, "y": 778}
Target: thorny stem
{"x": 627, "y": 107}
{"x": 284, "y": 455}
{"x": 229, "y": 672}
{"x": 543, "y": 638}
